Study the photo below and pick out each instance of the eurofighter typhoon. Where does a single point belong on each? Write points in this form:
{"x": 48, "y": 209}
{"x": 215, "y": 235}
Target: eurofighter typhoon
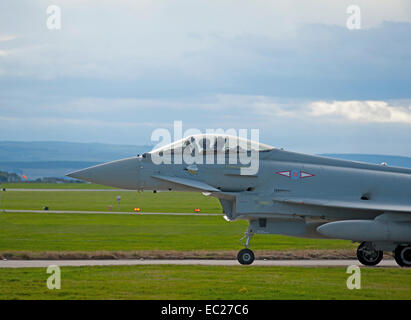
{"x": 279, "y": 192}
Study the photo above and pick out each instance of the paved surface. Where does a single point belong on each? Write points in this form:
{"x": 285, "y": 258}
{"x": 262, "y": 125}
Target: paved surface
{"x": 113, "y": 212}
{"x": 281, "y": 263}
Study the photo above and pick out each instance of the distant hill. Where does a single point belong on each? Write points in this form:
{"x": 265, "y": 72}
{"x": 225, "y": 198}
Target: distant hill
{"x": 55, "y": 159}
{"x": 42, "y": 169}
{"x": 66, "y": 151}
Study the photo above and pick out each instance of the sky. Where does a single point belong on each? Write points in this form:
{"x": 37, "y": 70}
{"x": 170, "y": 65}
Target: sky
{"x": 117, "y": 70}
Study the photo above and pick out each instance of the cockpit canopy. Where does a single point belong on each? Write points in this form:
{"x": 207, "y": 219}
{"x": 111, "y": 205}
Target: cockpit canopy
{"x": 212, "y": 143}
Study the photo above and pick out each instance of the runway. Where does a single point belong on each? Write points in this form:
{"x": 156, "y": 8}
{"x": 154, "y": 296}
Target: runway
{"x": 266, "y": 263}
{"x": 111, "y": 212}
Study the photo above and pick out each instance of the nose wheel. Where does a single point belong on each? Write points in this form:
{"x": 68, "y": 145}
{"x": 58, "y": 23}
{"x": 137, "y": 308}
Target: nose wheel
{"x": 246, "y": 256}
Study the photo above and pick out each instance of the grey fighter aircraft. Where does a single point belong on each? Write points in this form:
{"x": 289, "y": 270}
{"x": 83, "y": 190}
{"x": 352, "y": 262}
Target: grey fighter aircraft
{"x": 289, "y": 193}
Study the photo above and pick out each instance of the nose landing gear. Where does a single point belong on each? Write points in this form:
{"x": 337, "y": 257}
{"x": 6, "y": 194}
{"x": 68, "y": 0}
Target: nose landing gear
{"x": 246, "y": 256}
{"x": 368, "y": 255}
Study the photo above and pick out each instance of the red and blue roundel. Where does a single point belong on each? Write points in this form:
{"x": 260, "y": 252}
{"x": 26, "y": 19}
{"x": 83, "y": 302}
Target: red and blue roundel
{"x": 295, "y": 174}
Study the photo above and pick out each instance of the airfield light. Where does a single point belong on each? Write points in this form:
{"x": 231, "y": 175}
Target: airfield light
{"x": 118, "y": 198}
{"x": 197, "y": 210}
{"x": 137, "y": 209}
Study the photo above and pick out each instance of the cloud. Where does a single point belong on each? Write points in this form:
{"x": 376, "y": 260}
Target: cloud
{"x": 295, "y": 124}
{"x": 206, "y": 111}
{"x": 116, "y": 69}
{"x": 362, "y": 111}
{"x": 349, "y": 111}
{"x": 255, "y": 45}
{"x": 7, "y": 37}
{"x": 316, "y": 62}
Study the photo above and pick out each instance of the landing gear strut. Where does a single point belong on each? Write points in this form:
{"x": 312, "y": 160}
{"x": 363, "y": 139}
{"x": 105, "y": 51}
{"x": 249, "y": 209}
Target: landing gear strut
{"x": 402, "y": 255}
{"x": 367, "y": 254}
{"x": 246, "y": 256}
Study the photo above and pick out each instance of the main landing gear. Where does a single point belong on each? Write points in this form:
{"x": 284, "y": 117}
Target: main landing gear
{"x": 402, "y": 255}
{"x": 246, "y": 256}
{"x": 368, "y": 255}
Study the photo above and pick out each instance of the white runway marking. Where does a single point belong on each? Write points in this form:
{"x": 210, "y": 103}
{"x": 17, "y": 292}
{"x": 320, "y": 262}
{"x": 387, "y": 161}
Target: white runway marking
{"x": 267, "y": 263}
{"x": 112, "y": 212}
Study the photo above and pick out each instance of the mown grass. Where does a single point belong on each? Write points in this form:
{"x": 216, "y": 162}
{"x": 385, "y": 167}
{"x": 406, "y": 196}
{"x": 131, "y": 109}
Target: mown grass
{"x": 102, "y": 200}
{"x": 92, "y": 232}
{"x": 87, "y": 232}
{"x": 204, "y": 282}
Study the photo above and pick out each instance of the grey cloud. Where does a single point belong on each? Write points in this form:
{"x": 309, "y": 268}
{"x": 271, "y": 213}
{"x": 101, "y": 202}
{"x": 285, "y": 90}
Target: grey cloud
{"x": 148, "y": 63}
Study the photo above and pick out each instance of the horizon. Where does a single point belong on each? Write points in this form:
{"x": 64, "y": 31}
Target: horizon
{"x": 153, "y": 144}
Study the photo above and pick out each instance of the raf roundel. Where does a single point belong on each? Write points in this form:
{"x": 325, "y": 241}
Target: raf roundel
{"x": 295, "y": 174}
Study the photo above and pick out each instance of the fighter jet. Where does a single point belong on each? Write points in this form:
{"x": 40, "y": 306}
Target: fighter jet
{"x": 279, "y": 192}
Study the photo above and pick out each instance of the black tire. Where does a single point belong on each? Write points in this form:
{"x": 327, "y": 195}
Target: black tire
{"x": 368, "y": 257}
{"x": 402, "y": 255}
{"x": 245, "y": 256}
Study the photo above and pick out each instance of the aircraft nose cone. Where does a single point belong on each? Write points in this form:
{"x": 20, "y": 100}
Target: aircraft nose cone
{"x": 84, "y": 174}
{"x": 120, "y": 174}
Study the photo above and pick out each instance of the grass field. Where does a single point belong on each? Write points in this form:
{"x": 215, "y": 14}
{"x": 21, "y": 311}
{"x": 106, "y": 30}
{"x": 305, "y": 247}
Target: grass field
{"x": 100, "y": 201}
{"x": 40, "y": 232}
{"x": 204, "y": 282}
{"x": 88, "y": 232}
